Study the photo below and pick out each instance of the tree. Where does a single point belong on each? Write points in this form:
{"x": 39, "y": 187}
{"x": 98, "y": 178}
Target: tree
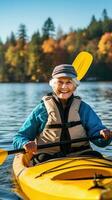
{"x": 107, "y": 26}
{"x": 49, "y": 45}
{"x": 36, "y": 38}
{"x": 3, "y": 71}
{"x": 95, "y": 28}
{"x": 105, "y": 46}
{"x": 70, "y": 42}
{"x": 34, "y": 56}
{"x": 93, "y": 20}
{"x": 107, "y": 22}
{"x": 48, "y": 28}
{"x": 16, "y": 56}
{"x": 22, "y": 36}
{"x": 10, "y": 40}
{"x": 105, "y": 15}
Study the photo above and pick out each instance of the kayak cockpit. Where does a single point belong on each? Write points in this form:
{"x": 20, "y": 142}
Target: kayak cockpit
{"x": 65, "y": 178}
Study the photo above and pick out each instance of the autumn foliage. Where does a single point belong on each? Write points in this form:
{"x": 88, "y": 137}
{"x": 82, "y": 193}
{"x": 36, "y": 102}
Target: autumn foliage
{"x": 23, "y": 59}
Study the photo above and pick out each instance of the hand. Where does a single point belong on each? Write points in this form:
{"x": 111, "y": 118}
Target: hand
{"x": 30, "y": 147}
{"x": 106, "y": 133}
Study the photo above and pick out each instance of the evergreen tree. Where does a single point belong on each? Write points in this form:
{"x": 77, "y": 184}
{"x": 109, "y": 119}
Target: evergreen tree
{"x": 48, "y": 28}
{"x": 107, "y": 22}
{"x": 11, "y": 40}
{"x": 94, "y": 29}
{"x": 34, "y": 55}
{"x": 3, "y": 71}
{"x": 22, "y": 36}
{"x": 105, "y": 15}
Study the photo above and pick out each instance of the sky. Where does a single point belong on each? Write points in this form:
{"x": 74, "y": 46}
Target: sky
{"x": 64, "y": 13}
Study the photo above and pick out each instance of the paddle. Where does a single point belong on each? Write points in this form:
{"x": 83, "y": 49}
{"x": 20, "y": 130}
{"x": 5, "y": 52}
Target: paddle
{"x": 82, "y": 63}
{"x": 5, "y": 153}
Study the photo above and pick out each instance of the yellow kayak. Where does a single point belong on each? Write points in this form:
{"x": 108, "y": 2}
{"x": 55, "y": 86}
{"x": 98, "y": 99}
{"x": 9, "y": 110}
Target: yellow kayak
{"x": 79, "y": 178}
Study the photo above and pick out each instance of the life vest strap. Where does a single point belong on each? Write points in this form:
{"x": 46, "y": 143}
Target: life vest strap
{"x": 78, "y": 149}
{"x": 63, "y": 125}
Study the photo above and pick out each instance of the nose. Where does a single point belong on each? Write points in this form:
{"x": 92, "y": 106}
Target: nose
{"x": 64, "y": 85}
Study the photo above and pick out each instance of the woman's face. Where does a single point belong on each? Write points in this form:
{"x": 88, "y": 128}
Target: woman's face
{"x": 64, "y": 88}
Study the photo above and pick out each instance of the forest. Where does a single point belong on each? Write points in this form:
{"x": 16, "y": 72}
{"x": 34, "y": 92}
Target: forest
{"x": 24, "y": 59}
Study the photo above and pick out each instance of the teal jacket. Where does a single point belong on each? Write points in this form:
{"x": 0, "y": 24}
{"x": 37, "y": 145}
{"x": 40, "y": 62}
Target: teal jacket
{"x": 36, "y": 121}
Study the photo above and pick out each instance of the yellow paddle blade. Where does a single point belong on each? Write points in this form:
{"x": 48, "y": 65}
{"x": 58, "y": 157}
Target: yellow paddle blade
{"x": 3, "y": 156}
{"x": 82, "y": 63}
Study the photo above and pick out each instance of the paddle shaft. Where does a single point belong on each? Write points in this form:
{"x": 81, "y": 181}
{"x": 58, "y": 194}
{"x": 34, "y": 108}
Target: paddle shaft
{"x": 57, "y": 144}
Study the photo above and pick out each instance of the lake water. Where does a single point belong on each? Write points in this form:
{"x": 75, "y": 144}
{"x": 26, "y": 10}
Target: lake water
{"x": 18, "y": 100}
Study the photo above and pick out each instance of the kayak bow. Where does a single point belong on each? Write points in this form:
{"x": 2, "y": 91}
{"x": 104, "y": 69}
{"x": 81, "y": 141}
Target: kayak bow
{"x": 79, "y": 178}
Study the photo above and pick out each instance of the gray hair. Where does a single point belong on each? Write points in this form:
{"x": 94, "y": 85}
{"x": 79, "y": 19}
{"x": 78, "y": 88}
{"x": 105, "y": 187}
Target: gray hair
{"x": 74, "y": 81}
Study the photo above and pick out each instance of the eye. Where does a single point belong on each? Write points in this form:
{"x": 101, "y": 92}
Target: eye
{"x": 68, "y": 82}
{"x": 60, "y": 82}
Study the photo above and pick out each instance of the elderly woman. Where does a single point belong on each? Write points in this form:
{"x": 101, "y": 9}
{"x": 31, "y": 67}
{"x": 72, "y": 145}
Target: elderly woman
{"x": 61, "y": 116}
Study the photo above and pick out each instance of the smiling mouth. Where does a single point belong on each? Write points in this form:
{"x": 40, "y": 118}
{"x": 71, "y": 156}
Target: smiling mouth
{"x": 64, "y": 92}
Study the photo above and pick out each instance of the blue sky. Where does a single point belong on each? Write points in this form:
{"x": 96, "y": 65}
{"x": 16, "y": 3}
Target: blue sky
{"x": 64, "y": 13}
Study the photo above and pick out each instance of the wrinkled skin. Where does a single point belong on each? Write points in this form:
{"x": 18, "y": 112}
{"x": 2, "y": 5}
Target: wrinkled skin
{"x": 64, "y": 88}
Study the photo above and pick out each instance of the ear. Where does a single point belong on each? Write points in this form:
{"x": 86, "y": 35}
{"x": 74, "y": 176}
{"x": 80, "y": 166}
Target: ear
{"x": 51, "y": 83}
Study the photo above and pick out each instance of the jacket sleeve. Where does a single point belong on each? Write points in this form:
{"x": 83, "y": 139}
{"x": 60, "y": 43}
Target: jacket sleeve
{"x": 92, "y": 124}
{"x": 32, "y": 126}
